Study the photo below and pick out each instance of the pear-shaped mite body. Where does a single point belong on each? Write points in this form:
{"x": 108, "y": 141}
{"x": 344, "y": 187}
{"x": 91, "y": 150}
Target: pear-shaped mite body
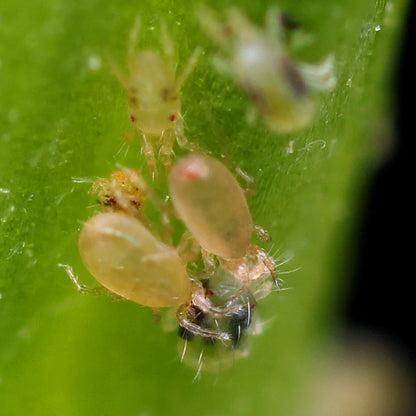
{"x": 127, "y": 259}
{"x": 211, "y": 203}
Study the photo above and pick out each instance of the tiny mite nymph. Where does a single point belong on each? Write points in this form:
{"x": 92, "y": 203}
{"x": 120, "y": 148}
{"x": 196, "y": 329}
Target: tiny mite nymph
{"x": 258, "y": 61}
{"x": 153, "y": 96}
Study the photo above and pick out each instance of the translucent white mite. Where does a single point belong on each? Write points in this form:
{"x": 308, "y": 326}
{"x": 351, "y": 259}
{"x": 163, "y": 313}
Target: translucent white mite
{"x": 257, "y": 60}
{"x": 153, "y": 96}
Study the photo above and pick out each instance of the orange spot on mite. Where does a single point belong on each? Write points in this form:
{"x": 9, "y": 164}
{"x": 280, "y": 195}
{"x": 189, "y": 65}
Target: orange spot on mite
{"x": 119, "y": 175}
{"x": 172, "y": 117}
{"x": 132, "y": 118}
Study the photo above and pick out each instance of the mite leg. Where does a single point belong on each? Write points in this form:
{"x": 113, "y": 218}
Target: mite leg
{"x": 117, "y": 72}
{"x": 262, "y": 233}
{"x": 181, "y": 138}
{"x": 274, "y": 25}
{"x": 249, "y": 185}
{"x": 190, "y": 66}
{"x": 82, "y": 288}
{"x": 133, "y": 39}
{"x": 149, "y": 154}
{"x": 168, "y": 47}
{"x": 187, "y": 248}
{"x": 166, "y": 149}
{"x": 187, "y": 323}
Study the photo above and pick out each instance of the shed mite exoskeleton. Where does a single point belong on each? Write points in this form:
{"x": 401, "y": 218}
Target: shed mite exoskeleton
{"x": 124, "y": 191}
{"x": 127, "y": 191}
{"x": 258, "y": 61}
{"x": 153, "y": 96}
{"x": 224, "y": 308}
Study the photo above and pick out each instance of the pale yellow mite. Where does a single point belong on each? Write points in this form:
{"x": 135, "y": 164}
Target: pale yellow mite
{"x": 153, "y": 96}
{"x": 127, "y": 259}
{"x": 258, "y": 61}
{"x": 212, "y": 205}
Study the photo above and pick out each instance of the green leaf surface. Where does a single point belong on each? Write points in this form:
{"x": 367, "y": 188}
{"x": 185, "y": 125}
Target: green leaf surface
{"x": 63, "y": 120}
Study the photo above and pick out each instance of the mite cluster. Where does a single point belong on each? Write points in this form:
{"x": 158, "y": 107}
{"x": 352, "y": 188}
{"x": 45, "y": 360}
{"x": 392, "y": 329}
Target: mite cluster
{"x": 214, "y": 275}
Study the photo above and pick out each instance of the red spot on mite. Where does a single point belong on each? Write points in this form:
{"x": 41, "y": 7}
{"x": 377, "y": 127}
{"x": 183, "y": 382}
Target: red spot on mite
{"x": 172, "y": 117}
{"x": 132, "y": 118}
{"x": 252, "y": 306}
{"x": 210, "y": 292}
{"x": 136, "y": 204}
{"x": 195, "y": 170}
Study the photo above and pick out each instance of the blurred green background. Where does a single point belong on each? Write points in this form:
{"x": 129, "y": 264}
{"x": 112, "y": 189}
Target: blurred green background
{"x": 63, "y": 121}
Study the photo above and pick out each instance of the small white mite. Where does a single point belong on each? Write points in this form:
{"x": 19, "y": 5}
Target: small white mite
{"x": 153, "y": 96}
{"x": 124, "y": 256}
{"x": 258, "y": 61}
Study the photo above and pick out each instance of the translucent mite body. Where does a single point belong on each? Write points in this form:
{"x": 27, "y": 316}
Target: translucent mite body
{"x": 127, "y": 259}
{"x": 257, "y": 60}
{"x": 153, "y": 96}
{"x": 212, "y": 204}
{"x": 122, "y": 253}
